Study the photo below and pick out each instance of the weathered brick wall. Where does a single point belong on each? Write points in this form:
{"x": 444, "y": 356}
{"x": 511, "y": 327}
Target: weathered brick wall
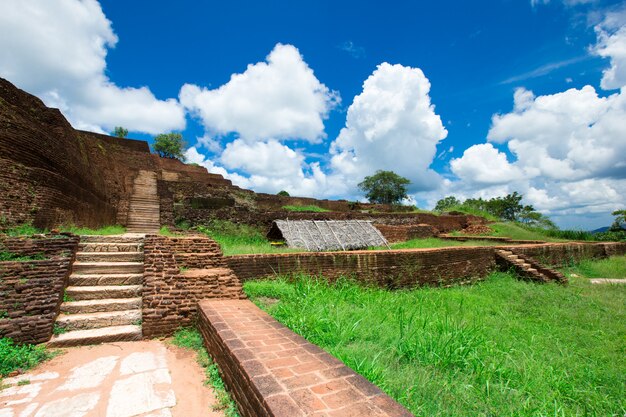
{"x": 31, "y": 292}
{"x": 271, "y": 371}
{"x": 389, "y": 269}
{"x": 179, "y": 272}
{"x": 404, "y": 233}
{"x": 410, "y": 268}
{"x": 559, "y": 254}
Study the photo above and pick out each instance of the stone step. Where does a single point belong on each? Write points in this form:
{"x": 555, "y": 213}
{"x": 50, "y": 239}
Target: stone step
{"x": 111, "y": 239}
{"x": 86, "y": 280}
{"x": 101, "y": 292}
{"x": 109, "y": 256}
{"x": 86, "y": 321}
{"x": 96, "y": 306}
{"x": 91, "y": 268}
{"x": 95, "y": 336}
{"x": 531, "y": 270}
{"x": 110, "y": 247}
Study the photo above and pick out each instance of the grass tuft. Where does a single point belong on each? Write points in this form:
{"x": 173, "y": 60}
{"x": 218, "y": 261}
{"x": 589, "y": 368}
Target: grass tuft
{"x": 499, "y": 347}
{"x": 190, "y": 338}
{"x": 10, "y": 256}
{"x": 312, "y": 208}
{"x": 20, "y": 357}
{"x": 106, "y": 230}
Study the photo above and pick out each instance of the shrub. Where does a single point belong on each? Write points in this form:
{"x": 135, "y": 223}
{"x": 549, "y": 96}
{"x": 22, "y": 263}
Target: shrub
{"x": 22, "y": 357}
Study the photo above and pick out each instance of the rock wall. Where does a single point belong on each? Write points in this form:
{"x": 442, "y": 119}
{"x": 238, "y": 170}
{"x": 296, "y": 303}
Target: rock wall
{"x": 32, "y": 291}
{"x": 179, "y": 272}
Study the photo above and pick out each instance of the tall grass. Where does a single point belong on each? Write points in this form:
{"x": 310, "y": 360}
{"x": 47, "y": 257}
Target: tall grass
{"x": 502, "y": 347}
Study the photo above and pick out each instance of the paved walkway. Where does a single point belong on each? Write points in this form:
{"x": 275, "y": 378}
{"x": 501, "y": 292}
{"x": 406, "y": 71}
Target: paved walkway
{"x": 124, "y": 379}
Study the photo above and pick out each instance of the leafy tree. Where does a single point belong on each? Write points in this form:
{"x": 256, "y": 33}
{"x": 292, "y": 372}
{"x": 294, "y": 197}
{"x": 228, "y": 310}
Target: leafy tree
{"x": 169, "y": 145}
{"x": 385, "y": 187}
{"x": 283, "y": 193}
{"x": 120, "y": 132}
{"x": 529, "y": 216}
{"x": 447, "y": 203}
{"x": 619, "y": 224}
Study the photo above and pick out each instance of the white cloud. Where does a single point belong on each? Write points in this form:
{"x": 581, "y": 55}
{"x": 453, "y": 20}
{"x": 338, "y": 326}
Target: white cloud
{"x": 569, "y": 146}
{"x": 280, "y": 99}
{"x": 56, "y": 49}
{"x": 391, "y": 125}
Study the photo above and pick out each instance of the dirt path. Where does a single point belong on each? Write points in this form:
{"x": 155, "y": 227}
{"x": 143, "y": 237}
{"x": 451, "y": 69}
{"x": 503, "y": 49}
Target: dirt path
{"x": 124, "y": 379}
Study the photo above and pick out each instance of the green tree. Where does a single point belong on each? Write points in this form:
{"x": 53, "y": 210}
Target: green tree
{"x": 447, "y": 203}
{"x": 619, "y": 224}
{"x": 120, "y": 132}
{"x": 283, "y": 193}
{"x": 169, "y": 145}
{"x": 385, "y": 187}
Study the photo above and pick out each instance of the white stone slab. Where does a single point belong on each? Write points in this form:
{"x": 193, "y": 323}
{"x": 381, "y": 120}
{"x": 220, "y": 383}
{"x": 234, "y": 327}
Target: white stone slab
{"x": 44, "y": 376}
{"x": 141, "y": 393}
{"x": 89, "y": 375}
{"x": 142, "y": 362}
{"x": 77, "y": 406}
{"x": 29, "y": 410}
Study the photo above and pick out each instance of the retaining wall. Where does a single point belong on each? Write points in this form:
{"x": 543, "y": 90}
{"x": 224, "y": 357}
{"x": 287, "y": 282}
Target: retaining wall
{"x": 179, "y": 272}
{"x": 271, "y": 371}
{"x": 413, "y": 267}
{"x": 31, "y": 292}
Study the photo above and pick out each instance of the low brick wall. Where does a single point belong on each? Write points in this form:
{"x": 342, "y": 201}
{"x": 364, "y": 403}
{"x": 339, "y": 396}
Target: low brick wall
{"x": 179, "y": 272}
{"x": 408, "y": 232}
{"x": 389, "y": 269}
{"x": 412, "y": 267}
{"x": 271, "y": 371}
{"x": 31, "y": 292}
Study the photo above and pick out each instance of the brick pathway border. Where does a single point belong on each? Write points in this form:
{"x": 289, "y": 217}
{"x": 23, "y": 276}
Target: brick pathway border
{"x": 271, "y": 371}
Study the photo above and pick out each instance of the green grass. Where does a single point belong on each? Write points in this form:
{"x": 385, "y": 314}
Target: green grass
{"x": 106, "y": 230}
{"x": 22, "y": 230}
{"x": 503, "y": 347}
{"x": 22, "y": 357}
{"x": 190, "y": 338}
{"x": 314, "y": 209}
{"x": 614, "y": 267}
{"x": 433, "y": 242}
{"x": 165, "y": 231}
{"x": 237, "y": 239}
{"x": 517, "y": 232}
{"x": 9, "y": 256}
{"x": 474, "y": 211}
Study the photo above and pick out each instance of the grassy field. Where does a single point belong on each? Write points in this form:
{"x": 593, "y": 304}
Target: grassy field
{"x": 514, "y": 231}
{"x": 29, "y": 230}
{"x": 433, "y": 242}
{"x": 502, "y": 347}
{"x": 238, "y": 239}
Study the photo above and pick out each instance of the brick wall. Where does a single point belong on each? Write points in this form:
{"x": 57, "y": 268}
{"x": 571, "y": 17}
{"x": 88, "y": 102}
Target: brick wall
{"x": 179, "y": 272}
{"x": 410, "y": 268}
{"x": 271, "y": 371}
{"x": 31, "y": 292}
{"x": 389, "y": 269}
{"x": 404, "y": 233}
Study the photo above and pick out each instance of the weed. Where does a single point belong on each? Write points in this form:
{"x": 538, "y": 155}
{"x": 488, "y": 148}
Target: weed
{"x": 23, "y": 382}
{"x": 9, "y": 256}
{"x": 191, "y": 338}
{"x": 57, "y": 330}
{"x": 67, "y": 298}
{"x": 314, "y": 209}
{"x": 106, "y": 230}
{"x": 20, "y": 357}
{"x": 26, "y": 229}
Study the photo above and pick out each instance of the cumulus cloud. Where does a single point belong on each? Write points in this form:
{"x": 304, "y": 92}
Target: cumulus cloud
{"x": 391, "y": 125}
{"x": 280, "y": 99}
{"x": 568, "y": 147}
{"x": 56, "y": 49}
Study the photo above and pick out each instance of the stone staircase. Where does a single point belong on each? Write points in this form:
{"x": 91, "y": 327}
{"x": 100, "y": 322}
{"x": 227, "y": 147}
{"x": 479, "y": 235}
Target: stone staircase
{"x": 143, "y": 215}
{"x": 528, "y": 268}
{"x": 103, "y": 300}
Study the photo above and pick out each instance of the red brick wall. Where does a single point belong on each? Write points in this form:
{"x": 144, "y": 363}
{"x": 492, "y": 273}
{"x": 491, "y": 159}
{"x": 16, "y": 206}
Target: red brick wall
{"x": 271, "y": 371}
{"x": 32, "y": 291}
{"x": 179, "y": 272}
{"x": 410, "y": 268}
{"x": 390, "y": 269}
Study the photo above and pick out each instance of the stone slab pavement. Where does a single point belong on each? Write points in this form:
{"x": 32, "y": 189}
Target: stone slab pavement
{"x": 122, "y": 379}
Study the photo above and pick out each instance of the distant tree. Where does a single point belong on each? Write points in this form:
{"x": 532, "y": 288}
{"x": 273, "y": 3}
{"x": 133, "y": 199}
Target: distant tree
{"x": 169, "y": 145}
{"x": 385, "y": 187}
{"x": 529, "y": 216}
{"x": 619, "y": 224}
{"x": 120, "y": 132}
{"x": 283, "y": 193}
{"x": 447, "y": 203}
{"x": 507, "y": 207}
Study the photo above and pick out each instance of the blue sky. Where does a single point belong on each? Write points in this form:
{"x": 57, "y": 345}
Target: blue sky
{"x": 453, "y": 66}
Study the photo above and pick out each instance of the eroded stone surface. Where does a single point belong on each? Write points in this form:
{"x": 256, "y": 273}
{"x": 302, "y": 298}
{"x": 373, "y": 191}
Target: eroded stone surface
{"x": 123, "y": 379}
